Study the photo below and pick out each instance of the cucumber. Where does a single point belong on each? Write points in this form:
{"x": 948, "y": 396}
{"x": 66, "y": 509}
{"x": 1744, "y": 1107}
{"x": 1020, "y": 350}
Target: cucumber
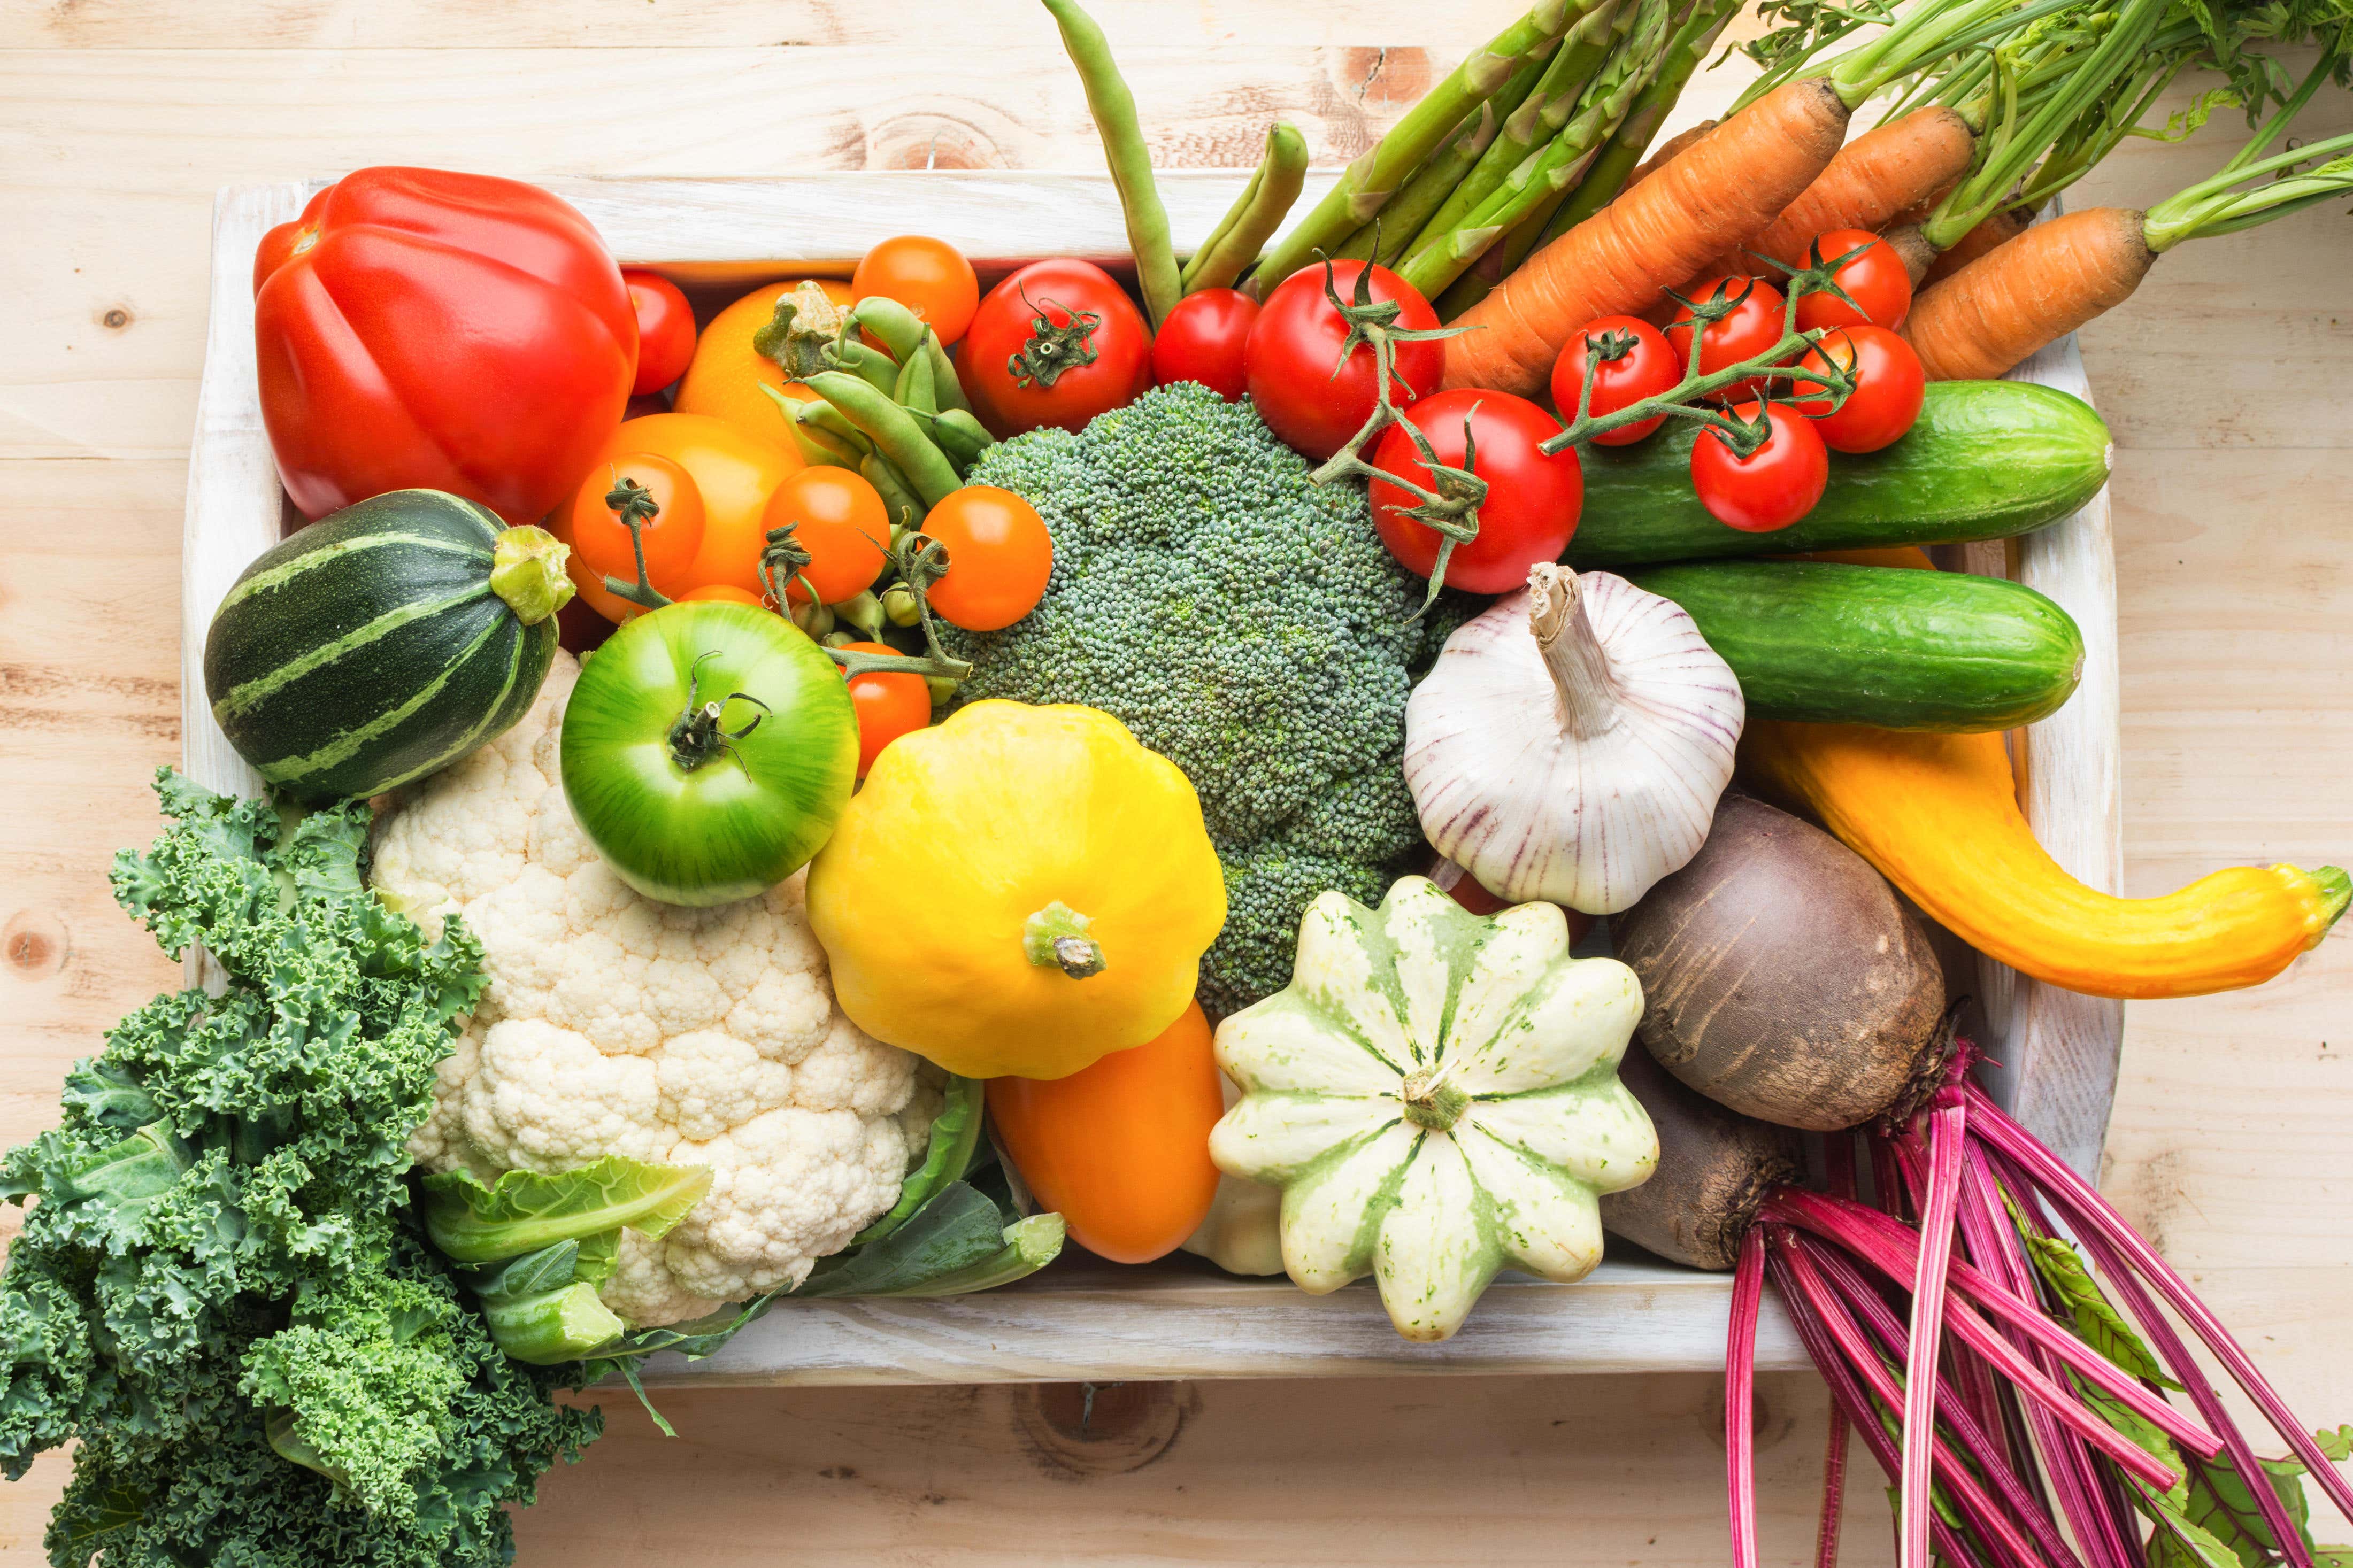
{"x": 1883, "y": 646}
{"x": 383, "y": 642}
{"x": 1988, "y": 460}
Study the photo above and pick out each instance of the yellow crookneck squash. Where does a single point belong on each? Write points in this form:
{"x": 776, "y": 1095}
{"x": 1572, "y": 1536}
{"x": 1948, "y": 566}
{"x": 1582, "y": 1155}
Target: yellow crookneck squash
{"x": 1938, "y": 816}
{"x": 1018, "y": 891}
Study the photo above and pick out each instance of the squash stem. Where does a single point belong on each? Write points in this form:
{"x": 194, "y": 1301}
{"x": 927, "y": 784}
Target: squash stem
{"x": 1057, "y": 936}
{"x": 1573, "y": 655}
{"x": 527, "y": 572}
{"x": 2336, "y": 892}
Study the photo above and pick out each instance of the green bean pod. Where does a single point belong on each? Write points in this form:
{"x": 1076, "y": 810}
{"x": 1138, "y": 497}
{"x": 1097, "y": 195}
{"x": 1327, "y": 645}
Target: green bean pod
{"x": 946, "y": 390}
{"x": 961, "y": 437}
{"x": 894, "y": 432}
{"x": 1282, "y": 171}
{"x": 1113, "y": 108}
{"x": 869, "y": 363}
{"x": 899, "y": 498}
{"x": 915, "y": 392}
{"x": 900, "y": 329}
{"x": 819, "y": 445}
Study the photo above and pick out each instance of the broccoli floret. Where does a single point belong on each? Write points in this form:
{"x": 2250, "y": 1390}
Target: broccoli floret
{"x": 1246, "y": 624}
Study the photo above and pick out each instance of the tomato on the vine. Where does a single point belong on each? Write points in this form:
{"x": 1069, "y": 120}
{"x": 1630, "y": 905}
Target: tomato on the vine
{"x": 1889, "y": 385}
{"x": 1532, "y": 502}
{"x": 840, "y": 519}
{"x": 1772, "y": 486}
{"x": 1204, "y": 340}
{"x": 1753, "y": 328}
{"x": 721, "y": 592}
{"x": 1644, "y": 366}
{"x": 674, "y": 535}
{"x": 930, "y": 276}
{"x": 890, "y": 703}
{"x": 1055, "y": 344}
{"x": 665, "y": 329}
{"x": 999, "y": 556}
{"x": 1875, "y": 280}
{"x": 1294, "y": 351}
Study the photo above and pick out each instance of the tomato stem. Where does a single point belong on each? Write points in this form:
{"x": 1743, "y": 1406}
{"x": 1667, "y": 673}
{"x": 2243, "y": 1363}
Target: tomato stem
{"x": 633, "y": 506}
{"x": 701, "y": 732}
{"x": 1051, "y": 349}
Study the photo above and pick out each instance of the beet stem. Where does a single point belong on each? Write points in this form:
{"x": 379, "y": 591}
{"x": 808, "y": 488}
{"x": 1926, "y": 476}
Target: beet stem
{"x": 2095, "y": 1216}
{"x": 1826, "y": 1530}
{"x": 1740, "y": 1397}
{"x": 1939, "y": 1204}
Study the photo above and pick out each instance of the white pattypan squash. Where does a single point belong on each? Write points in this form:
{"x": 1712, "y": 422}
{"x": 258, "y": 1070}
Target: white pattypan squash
{"x": 1437, "y": 1095}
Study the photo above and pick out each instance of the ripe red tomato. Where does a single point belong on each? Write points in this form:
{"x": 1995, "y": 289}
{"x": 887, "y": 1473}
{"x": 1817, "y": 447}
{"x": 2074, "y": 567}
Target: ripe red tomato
{"x": 1888, "y": 386}
{"x": 1771, "y": 488}
{"x": 840, "y": 519}
{"x": 1055, "y": 344}
{"x": 930, "y": 276}
{"x": 1876, "y": 281}
{"x": 420, "y": 329}
{"x": 674, "y": 535}
{"x": 999, "y": 556}
{"x": 1532, "y": 504}
{"x": 1203, "y": 339}
{"x": 1752, "y": 329}
{"x": 665, "y": 329}
{"x": 1646, "y": 366}
{"x": 889, "y": 703}
{"x": 1294, "y": 348}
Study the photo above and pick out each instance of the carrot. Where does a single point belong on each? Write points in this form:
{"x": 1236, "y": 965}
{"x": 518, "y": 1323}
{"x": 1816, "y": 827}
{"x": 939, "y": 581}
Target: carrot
{"x": 1994, "y": 230}
{"x": 1875, "y": 176}
{"x": 1718, "y": 192}
{"x": 1666, "y": 152}
{"x": 2027, "y": 292}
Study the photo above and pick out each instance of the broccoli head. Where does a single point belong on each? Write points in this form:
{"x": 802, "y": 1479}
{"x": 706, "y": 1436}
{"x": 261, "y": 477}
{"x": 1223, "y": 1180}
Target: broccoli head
{"x": 1246, "y": 624}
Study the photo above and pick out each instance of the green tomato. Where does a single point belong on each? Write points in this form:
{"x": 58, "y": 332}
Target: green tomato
{"x": 708, "y": 751}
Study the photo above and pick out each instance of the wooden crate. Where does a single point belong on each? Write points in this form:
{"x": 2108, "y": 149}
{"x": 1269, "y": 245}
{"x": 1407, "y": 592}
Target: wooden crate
{"x": 1182, "y": 1318}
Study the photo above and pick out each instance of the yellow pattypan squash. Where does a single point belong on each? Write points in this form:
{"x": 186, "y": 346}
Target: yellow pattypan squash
{"x": 1017, "y": 891}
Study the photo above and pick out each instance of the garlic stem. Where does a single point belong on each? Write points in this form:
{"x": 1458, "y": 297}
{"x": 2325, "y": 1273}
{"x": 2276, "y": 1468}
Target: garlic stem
{"x": 1582, "y": 681}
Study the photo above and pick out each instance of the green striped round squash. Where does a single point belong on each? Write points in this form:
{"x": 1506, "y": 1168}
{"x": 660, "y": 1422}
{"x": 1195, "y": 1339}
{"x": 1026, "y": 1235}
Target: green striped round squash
{"x": 384, "y": 642}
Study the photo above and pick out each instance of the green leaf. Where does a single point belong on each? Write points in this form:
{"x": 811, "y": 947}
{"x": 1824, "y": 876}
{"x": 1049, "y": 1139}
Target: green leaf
{"x": 2337, "y": 1443}
{"x": 525, "y": 1211}
{"x": 103, "y": 1092}
{"x": 956, "y": 1134}
{"x": 566, "y": 1324}
{"x": 953, "y": 1235}
{"x": 1030, "y": 1245}
{"x": 2097, "y": 1324}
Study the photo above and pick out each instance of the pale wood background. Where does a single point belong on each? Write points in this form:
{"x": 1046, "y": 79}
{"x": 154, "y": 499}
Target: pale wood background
{"x": 2226, "y": 381}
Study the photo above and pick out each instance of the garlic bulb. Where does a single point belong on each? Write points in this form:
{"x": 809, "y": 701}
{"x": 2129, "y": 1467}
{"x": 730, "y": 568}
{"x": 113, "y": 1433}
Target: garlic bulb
{"x": 1570, "y": 743}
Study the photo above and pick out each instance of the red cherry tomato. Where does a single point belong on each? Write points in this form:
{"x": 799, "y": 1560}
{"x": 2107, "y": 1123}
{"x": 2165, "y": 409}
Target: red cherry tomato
{"x": 1204, "y": 340}
{"x": 999, "y": 556}
{"x": 930, "y": 276}
{"x": 1771, "y": 488}
{"x": 840, "y": 519}
{"x": 674, "y": 535}
{"x": 1875, "y": 280}
{"x": 1753, "y": 328}
{"x": 1294, "y": 348}
{"x": 1889, "y": 385}
{"x": 1532, "y": 502}
{"x": 1055, "y": 344}
{"x": 665, "y": 329}
{"x": 889, "y": 703}
{"x": 1646, "y": 366}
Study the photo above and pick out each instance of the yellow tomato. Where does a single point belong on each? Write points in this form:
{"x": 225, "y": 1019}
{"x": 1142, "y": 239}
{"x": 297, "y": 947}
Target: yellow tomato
{"x": 735, "y": 475}
{"x": 724, "y": 378}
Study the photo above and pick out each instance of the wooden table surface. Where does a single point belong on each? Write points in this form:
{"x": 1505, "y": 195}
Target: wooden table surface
{"x": 2226, "y": 380}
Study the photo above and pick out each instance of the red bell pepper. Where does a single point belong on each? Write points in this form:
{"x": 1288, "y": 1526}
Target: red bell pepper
{"x": 421, "y": 329}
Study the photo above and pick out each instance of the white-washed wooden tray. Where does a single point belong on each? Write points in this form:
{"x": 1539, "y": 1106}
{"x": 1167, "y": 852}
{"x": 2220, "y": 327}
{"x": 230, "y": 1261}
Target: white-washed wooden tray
{"x": 1183, "y": 1319}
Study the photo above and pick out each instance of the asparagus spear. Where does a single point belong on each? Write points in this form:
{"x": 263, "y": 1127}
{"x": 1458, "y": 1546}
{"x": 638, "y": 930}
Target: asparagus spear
{"x": 1607, "y": 176}
{"x": 1368, "y": 183}
{"x": 1536, "y": 121}
{"x": 1382, "y": 238}
{"x": 1552, "y": 168}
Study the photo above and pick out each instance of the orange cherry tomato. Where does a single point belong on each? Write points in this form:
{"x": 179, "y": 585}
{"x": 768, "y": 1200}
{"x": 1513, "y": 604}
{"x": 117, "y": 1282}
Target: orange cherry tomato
{"x": 1121, "y": 1148}
{"x": 930, "y": 276}
{"x": 724, "y": 378}
{"x": 674, "y": 535}
{"x": 841, "y": 520}
{"x": 890, "y": 703}
{"x": 734, "y": 473}
{"x": 999, "y": 556}
{"x": 725, "y": 592}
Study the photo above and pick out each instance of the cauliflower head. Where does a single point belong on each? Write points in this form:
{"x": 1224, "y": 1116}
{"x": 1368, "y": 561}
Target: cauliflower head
{"x": 615, "y": 1024}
